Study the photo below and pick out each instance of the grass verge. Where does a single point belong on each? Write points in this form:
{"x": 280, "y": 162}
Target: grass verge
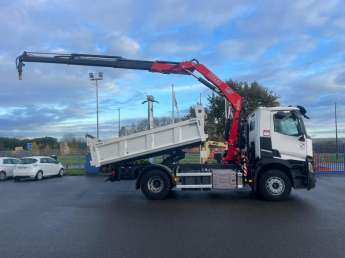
{"x": 75, "y": 172}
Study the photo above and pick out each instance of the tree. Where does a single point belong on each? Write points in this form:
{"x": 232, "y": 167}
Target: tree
{"x": 190, "y": 114}
{"x": 35, "y": 149}
{"x": 215, "y": 119}
{"x": 74, "y": 144}
{"x": 254, "y": 95}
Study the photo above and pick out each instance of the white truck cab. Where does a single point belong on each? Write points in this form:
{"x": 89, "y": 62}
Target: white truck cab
{"x": 278, "y": 140}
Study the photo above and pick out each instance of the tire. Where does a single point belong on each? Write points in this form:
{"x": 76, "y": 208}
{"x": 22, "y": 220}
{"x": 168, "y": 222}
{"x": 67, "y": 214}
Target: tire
{"x": 61, "y": 172}
{"x": 2, "y": 176}
{"x": 274, "y": 185}
{"x": 39, "y": 176}
{"x": 155, "y": 185}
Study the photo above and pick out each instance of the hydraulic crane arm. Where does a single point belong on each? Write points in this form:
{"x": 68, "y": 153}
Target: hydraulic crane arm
{"x": 207, "y": 77}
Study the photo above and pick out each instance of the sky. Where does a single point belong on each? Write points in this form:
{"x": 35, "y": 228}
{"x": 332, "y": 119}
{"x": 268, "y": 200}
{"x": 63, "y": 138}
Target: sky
{"x": 294, "y": 48}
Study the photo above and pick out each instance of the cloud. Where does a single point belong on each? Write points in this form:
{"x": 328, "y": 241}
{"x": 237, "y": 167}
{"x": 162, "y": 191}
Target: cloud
{"x": 204, "y": 15}
{"x": 173, "y": 47}
{"x": 179, "y": 88}
{"x": 122, "y": 44}
{"x": 32, "y": 116}
{"x": 241, "y": 49}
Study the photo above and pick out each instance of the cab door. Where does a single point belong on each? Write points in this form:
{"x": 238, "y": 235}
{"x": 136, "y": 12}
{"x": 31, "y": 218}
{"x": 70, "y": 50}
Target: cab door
{"x": 287, "y": 136}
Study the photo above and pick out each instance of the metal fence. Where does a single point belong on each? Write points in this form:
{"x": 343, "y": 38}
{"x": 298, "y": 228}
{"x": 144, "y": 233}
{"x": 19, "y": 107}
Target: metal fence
{"x": 328, "y": 163}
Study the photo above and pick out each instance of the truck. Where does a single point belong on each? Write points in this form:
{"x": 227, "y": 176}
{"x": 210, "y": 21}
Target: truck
{"x": 268, "y": 151}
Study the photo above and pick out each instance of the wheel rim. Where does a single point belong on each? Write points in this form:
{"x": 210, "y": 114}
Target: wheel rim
{"x": 2, "y": 176}
{"x": 39, "y": 175}
{"x": 155, "y": 184}
{"x": 61, "y": 172}
{"x": 275, "y": 185}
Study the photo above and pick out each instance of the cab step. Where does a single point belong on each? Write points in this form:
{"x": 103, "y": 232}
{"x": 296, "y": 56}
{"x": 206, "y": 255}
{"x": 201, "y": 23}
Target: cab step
{"x": 194, "y": 186}
{"x": 194, "y": 174}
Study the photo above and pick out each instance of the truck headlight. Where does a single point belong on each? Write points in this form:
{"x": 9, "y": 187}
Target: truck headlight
{"x": 310, "y": 167}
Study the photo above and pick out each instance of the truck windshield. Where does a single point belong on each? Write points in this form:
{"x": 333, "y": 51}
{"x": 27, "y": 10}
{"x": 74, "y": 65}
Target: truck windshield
{"x": 28, "y": 161}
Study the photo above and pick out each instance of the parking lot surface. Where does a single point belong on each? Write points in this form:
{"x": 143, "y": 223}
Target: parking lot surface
{"x": 87, "y": 217}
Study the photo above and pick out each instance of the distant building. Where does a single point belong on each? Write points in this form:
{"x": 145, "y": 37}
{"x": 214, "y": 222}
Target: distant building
{"x": 18, "y": 148}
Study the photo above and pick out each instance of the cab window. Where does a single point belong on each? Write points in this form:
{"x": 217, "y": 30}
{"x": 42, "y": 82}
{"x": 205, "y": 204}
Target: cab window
{"x": 287, "y": 125}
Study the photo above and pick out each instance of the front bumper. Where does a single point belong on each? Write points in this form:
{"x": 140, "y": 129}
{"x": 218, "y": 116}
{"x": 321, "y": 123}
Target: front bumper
{"x": 303, "y": 175}
{"x": 311, "y": 180}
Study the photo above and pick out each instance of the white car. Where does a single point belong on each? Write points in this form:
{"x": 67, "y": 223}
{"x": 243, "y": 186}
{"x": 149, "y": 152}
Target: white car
{"x": 7, "y": 165}
{"x": 38, "y": 167}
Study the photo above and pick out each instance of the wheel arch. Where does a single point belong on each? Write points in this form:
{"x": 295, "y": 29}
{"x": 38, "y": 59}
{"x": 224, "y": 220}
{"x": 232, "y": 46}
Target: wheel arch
{"x": 151, "y": 167}
{"x": 271, "y": 166}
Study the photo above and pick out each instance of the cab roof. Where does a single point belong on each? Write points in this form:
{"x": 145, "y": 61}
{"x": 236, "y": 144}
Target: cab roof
{"x": 278, "y": 108}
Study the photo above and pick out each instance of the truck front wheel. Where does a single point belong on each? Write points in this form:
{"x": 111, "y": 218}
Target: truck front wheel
{"x": 274, "y": 185}
{"x": 155, "y": 185}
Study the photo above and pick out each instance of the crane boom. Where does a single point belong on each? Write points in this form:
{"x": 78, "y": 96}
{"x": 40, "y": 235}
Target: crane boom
{"x": 208, "y": 78}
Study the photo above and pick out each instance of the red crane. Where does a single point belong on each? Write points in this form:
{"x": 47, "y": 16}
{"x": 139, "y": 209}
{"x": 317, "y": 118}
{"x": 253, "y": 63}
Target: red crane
{"x": 193, "y": 67}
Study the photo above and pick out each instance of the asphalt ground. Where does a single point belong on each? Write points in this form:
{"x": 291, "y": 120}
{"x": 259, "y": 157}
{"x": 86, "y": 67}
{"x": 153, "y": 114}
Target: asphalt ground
{"x": 87, "y": 217}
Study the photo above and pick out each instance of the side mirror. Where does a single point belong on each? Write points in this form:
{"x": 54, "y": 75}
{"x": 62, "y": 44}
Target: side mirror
{"x": 301, "y": 138}
{"x": 303, "y": 111}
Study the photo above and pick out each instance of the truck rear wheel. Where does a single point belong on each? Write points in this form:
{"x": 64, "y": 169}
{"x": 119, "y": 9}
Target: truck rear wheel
{"x": 155, "y": 185}
{"x": 274, "y": 185}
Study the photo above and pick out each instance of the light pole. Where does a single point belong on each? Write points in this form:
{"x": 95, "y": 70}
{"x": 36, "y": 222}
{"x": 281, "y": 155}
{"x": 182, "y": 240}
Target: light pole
{"x": 96, "y": 78}
{"x": 119, "y": 120}
{"x": 336, "y": 130}
{"x": 149, "y": 100}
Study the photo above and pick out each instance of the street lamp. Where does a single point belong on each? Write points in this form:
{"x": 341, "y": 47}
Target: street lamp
{"x": 119, "y": 120}
{"x": 96, "y": 78}
{"x": 149, "y": 100}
